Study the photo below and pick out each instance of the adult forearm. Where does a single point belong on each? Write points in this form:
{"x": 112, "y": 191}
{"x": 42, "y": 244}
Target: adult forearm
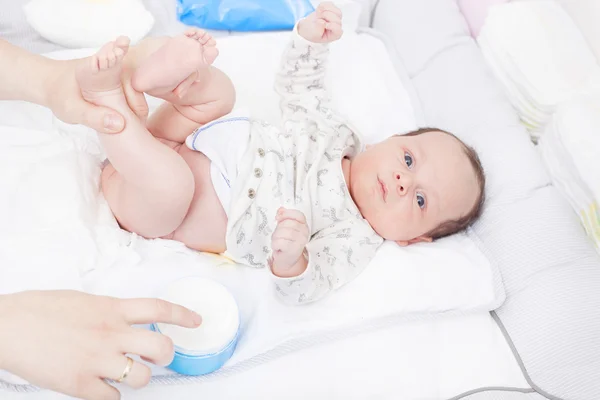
{"x": 23, "y": 75}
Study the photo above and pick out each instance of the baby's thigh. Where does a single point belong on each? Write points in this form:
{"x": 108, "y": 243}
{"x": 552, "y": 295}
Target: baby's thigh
{"x": 205, "y": 225}
{"x": 150, "y": 213}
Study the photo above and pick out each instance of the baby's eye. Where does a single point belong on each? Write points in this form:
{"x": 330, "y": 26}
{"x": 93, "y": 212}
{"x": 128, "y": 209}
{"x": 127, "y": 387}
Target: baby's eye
{"x": 408, "y": 160}
{"x": 420, "y": 200}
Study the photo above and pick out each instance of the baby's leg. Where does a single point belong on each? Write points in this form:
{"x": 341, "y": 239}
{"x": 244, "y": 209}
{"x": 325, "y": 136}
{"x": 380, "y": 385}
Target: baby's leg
{"x": 151, "y": 187}
{"x": 195, "y": 91}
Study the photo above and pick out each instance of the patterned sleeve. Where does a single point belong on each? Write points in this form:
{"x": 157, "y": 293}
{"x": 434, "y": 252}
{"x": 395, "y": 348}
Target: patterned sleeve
{"x": 336, "y": 255}
{"x": 301, "y": 80}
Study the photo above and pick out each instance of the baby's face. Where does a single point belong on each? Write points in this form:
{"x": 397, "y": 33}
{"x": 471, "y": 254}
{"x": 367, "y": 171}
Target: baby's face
{"x": 406, "y": 186}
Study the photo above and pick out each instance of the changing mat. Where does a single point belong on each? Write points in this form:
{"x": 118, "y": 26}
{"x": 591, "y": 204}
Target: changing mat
{"x": 540, "y": 57}
{"x": 51, "y": 201}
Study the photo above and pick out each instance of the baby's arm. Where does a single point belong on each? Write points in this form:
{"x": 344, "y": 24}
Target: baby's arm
{"x": 301, "y": 79}
{"x": 336, "y": 255}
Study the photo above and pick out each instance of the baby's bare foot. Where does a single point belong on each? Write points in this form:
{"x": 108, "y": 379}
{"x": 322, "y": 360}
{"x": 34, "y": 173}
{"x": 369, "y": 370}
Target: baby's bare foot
{"x": 99, "y": 76}
{"x": 174, "y": 67}
{"x": 207, "y": 41}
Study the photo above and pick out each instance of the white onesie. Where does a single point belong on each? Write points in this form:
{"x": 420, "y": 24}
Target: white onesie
{"x": 298, "y": 165}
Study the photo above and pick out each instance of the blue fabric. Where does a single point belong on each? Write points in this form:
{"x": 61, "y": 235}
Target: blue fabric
{"x": 243, "y": 15}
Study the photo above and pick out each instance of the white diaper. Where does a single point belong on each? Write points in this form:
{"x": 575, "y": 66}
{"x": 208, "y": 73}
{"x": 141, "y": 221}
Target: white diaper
{"x": 224, "y": 142}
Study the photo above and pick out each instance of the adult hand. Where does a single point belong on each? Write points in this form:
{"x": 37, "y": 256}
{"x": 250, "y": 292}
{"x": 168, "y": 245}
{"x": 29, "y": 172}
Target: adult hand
{"x": 69, "y": 341}
{"x": 63, "y": 97}
{"x": 136, "y": 100}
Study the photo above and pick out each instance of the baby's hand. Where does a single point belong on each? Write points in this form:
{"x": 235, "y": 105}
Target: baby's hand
{"x": 322, "y": 26}
{"x": 288, "y": 242}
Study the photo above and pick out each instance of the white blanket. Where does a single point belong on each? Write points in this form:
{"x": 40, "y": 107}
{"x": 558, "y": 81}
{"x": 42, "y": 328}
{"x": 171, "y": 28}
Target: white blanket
{"x": 56, "y": 230}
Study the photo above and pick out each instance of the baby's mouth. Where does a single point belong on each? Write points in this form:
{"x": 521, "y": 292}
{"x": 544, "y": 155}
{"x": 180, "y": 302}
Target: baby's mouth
{"x": 383, "y": 189}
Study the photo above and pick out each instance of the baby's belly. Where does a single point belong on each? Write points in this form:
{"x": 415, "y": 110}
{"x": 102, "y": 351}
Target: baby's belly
{"x": 205, "y": 224}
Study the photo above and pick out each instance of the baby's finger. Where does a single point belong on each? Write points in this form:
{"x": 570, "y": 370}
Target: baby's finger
{"x": 295, "y": 215}
{"x": 290, "y": 224}
{"x": 289, "y": 234}
{"x": 334, "y": 27}
{"x": 299, "y": 227}
{"x": 331, "y": 17}
{"x": 334, "y": 32}
{"x": 329, "y": 6}
{"x": 280, "y": 246}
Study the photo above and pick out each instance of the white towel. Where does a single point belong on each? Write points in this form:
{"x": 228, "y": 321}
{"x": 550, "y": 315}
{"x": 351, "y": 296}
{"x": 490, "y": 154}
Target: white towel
{"x": 540, "y": 57}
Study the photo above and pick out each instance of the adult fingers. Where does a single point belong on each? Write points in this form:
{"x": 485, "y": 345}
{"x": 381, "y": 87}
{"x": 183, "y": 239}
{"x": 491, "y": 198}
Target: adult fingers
{"x": 102, "y": 119}
{"x": 98, "y": 389}
{"x": 153, "y": 347}
{"x": 136, "y": 100}
{"x": 145, "y": 311}
{"x": 138, "y": 376}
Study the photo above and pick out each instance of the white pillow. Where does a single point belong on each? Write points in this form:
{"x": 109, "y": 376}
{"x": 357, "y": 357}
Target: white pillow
{"x": 88, "y": 23}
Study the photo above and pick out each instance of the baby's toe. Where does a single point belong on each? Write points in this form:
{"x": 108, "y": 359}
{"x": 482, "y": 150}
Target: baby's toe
{"x": 119, "y": 53}
{"x": 122, "y": 42}
{"x": 194, "y": 33}
{"x": 205, "y": 39}
{"x": 102, "y": 62}
{"x": 111, "y": 59}
{"x": 95, "y": 63}
{"x": 210, "y": 54}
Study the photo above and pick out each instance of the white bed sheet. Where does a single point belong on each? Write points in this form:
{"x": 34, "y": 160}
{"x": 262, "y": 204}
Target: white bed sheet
{"x": 421, "y": 360}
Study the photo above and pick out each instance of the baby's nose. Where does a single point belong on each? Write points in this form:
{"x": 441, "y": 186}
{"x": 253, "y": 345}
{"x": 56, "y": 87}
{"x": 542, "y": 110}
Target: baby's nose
{"x": 403, "y": 183}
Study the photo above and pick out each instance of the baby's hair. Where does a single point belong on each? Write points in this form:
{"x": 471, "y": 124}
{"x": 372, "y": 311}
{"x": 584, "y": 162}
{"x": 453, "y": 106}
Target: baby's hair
{"x": 450, "y": 227}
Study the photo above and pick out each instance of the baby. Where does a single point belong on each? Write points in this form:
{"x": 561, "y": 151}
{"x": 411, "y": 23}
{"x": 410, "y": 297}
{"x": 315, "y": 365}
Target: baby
{"x": 304, "y": 199}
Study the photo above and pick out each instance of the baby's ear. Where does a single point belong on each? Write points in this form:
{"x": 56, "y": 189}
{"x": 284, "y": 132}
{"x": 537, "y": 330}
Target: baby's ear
{"x": 404, "y": 243}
